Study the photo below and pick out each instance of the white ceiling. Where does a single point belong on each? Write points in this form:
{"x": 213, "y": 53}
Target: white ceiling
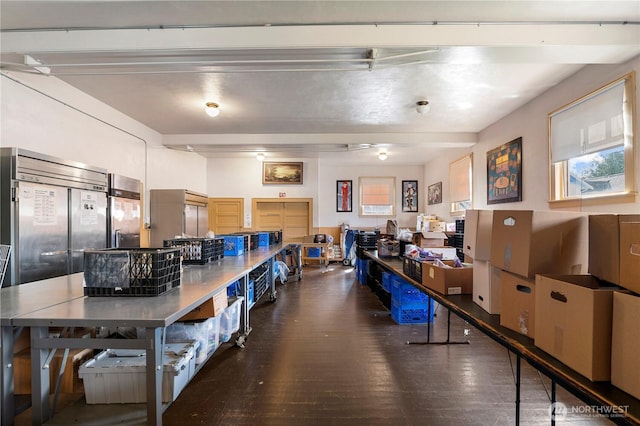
{"x": 326, "y": 79}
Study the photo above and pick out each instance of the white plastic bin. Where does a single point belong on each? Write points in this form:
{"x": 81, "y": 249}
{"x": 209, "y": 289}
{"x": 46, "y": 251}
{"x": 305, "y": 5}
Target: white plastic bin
{"x": 112, "y": 379}
{"x": 230, "y": 320}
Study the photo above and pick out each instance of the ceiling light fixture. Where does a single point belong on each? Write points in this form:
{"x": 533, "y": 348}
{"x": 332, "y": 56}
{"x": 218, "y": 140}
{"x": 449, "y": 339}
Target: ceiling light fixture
{"x": 260, "y": 156}
{"x": 212, "y": 109}
{"x": 422, "y": 107}
{"x": 382, "y": 155}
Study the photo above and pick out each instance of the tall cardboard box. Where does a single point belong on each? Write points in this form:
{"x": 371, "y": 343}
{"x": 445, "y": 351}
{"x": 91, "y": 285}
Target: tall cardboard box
{"x": 518, "y": 303}
{"x": 486, "y": 286}
{"x": 448, "y": 280}
{"x": 527, "y": 242}
{"x": 625, "y": 345}
{"x": 630, "y": 252}
{"x": 573, "y": 322}
{"x": 477, "y": 234}
{"x": 614, "y": 249}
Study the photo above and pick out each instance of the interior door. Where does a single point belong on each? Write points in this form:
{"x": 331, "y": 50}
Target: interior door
{"x": 226, "y": 215}
{"x": 203, "y": 221}
{"x": 292, "y": 216}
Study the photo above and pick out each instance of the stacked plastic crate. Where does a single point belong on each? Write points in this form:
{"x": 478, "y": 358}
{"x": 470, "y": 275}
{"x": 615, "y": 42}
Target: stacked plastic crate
{"x": 409, "y": 305}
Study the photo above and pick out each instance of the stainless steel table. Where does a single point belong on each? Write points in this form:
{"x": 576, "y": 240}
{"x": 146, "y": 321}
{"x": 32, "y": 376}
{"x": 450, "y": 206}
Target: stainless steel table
{"x": 60, "y": 302}
{"x": 19, "y": 300}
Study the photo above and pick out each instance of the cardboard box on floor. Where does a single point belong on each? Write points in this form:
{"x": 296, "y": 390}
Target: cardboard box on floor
{"x": 527, "y": 242}
{"x": 518, "y": 303}
{"x": 210, "y": 308}
{"x": 71, "y": 382}
{"x": 625, "y": 345}
{"x": 448, "y": 280}
{"x": 477, "y": 234}
{"x": 486, "y": 286}
{"x": 573, "y": 322}
{"x": 614, "y": 249}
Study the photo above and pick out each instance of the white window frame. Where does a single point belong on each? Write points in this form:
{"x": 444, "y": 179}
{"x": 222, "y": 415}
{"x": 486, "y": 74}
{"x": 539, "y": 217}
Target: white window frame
{"x": 387, "y": 210}
{"x": 559, "y": 173}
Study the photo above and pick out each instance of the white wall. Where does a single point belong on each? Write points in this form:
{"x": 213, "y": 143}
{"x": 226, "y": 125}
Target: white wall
{"x": 327, "y": 192}
{"x": 46, "y": 115}
{"x": 242, "y": 178}
{"x": 530, "y": 122}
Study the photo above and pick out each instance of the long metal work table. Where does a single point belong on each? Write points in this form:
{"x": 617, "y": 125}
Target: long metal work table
{"x": 60, "y": 302}
{"x": 603, "y": 397}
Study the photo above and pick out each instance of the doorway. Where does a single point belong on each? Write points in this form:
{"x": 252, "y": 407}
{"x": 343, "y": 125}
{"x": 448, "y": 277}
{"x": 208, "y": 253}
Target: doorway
{"x": 294, "y": 216}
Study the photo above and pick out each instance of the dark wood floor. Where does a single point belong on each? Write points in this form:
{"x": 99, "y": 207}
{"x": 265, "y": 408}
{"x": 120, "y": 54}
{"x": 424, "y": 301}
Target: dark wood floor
{"x": 328, "y": 353}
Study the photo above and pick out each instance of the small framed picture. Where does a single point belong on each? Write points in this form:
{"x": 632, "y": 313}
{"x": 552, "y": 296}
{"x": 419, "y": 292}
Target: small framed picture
{"x": 409, "y": 195}
{"x": 434, "y": 193}
{"x": 343, "y": 196}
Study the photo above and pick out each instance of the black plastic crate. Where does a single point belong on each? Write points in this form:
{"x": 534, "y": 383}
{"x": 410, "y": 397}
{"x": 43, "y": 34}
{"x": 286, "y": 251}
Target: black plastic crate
{"x": 196, "y": 251}
{"x": 412, "y": 268}
{"x": 218, "y": 248}
{"x": 367, "y": 239}
{"x": 131, "y": 272}
{"x": 260, "y": 277}
{"x": 275, "y": 237}
{"x": 460, "y": 226}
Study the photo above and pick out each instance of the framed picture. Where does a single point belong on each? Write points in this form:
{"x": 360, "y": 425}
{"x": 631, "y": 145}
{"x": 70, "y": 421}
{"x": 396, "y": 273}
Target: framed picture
{"x": 504, "y": 173}
{"x": 409, "y": 195}
{"x": 343, "y": 196}
{"x": 281, "y": 173}
{"x": 434, "y": 193}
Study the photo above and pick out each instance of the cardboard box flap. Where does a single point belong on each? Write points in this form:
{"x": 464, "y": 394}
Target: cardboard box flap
{"x": 434, "y": 235}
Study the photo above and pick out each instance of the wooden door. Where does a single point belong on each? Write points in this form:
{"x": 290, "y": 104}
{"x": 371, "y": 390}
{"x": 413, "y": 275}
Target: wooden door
{"x": 226, "y": 215}
{"x": 293, "y": 216}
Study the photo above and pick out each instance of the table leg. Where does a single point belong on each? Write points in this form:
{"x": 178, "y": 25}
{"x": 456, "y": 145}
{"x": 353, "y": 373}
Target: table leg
{"x": 154, "y": 375}
{"x": 518, "y": 366}
{"x": 7, "y": 404}
{"x": 40, "y": 410}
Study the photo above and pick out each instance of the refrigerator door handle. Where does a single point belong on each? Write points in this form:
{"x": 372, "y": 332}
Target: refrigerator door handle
{"x": 117, "y": 237}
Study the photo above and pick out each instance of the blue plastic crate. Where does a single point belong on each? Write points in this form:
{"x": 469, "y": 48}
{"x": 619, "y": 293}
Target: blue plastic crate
{"x": 386, "y": 281}
{"x": 233, "y": 290}
{"x": 233, "y": 245}
{"x": 251, "y": 293}
{"x": 404, "y": 293}
{"x": 263, "y": 239}
{"x": 362, "y": 270}
{"x": 313, "y": 252}
{"x": 411, "y": 313}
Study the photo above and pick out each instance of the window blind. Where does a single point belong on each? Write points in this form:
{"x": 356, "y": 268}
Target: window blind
{"x": 460, "y": 179}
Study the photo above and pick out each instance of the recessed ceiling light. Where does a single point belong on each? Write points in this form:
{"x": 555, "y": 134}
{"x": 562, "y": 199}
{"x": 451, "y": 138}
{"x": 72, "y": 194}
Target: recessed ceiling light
{"x": 212, "y": 109}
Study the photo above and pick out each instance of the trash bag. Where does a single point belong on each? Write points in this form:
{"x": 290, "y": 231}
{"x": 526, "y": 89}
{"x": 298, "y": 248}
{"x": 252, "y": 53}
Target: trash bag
{"x": 283, "y": 270}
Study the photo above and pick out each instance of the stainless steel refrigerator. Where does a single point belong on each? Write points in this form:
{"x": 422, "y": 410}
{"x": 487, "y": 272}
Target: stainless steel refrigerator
{"x": 51, "y": 210}
{"x": 177, "y": 212}
{"x": 124, "y": 212}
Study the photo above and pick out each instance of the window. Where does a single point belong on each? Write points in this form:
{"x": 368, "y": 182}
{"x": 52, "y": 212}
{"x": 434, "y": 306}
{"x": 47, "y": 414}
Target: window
{"x": 377, "y": 196}
{"x": 460, "y": 184}
{"x": 591, "y": 144}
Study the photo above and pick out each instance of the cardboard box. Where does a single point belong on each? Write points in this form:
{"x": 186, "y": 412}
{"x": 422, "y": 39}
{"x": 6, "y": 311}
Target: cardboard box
{"x": 486, "y": 286}
{"x": 432, "y": 239}
{"x": 210, "y": 308}
{"x": 614, "y": 249}
{"x": 625, "y": 346}
{"x": 517, "y": 303}
{"x": 434, "y": 226}
{"x": 573, "y": 322}
{"x": 527, "y": 242}
{"x": 71, "y": 382}
{"x": 477, "y": 234}
{"x": 448, "y": 280}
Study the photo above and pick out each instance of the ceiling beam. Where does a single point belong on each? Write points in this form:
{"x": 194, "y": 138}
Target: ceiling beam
{"x": 314, "y": 36}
